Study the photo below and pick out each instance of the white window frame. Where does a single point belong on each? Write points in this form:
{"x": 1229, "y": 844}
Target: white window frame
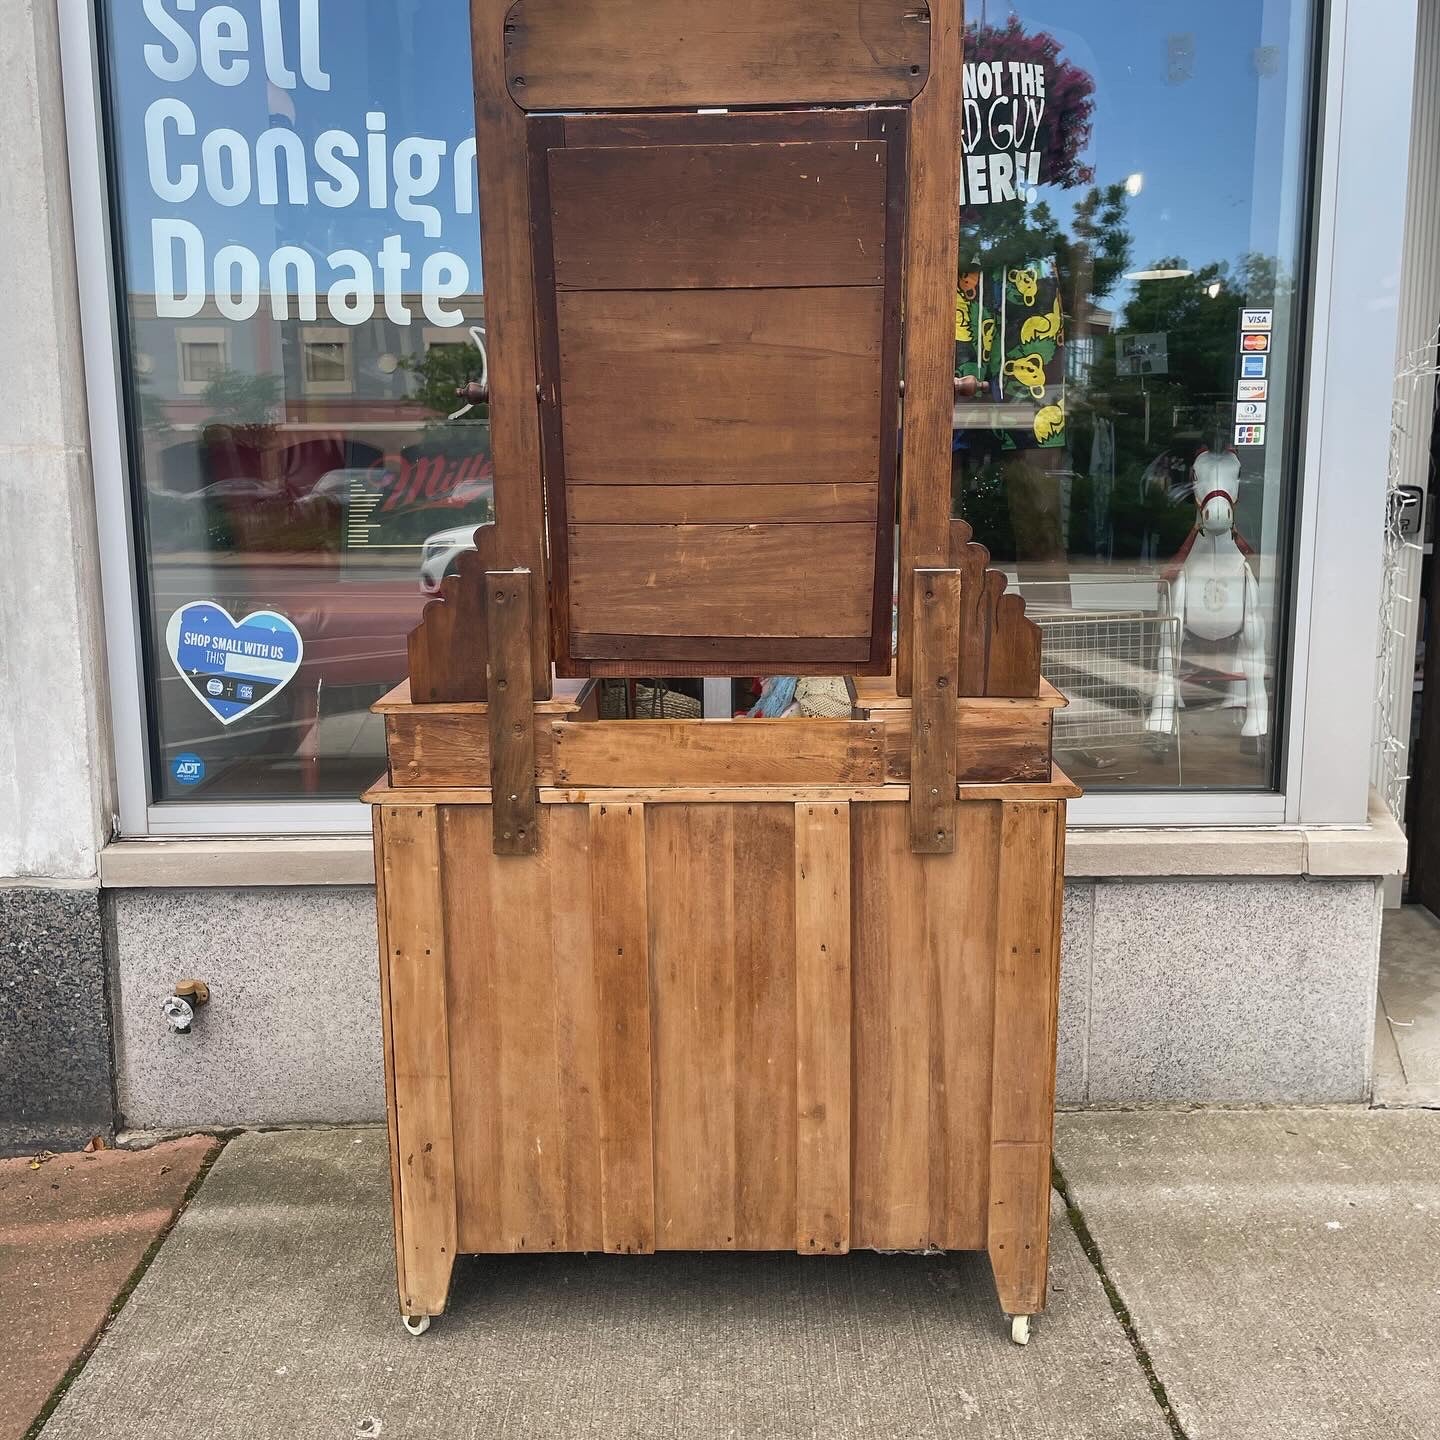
{"x": 1356, "y": 234}
{"x": 198, "y": 335}
{"x": 327, "y": 335}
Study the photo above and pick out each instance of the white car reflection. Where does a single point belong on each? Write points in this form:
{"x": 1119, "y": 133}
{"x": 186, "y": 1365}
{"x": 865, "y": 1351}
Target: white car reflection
{"x": 440, "y": 552}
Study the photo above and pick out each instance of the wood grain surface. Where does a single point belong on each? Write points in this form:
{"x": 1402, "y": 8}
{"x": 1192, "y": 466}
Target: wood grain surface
{"x": 746, "y": 582}
{"x": 663, "y": 217}
{"x": 712, "y": 752}
{"x": 721, "y": 386}
{"x": 657, "y": 54}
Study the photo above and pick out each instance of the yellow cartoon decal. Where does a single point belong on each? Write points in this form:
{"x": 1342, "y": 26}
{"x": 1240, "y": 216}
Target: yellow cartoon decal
{"x": 970, "y": 284}
{"x": 1027, "y": 283}
{"x": 987, "y": 340}
{"x": 1029, "y": 370}
{"x": 963, "y": 329}
{"x": 1044, "y": 327}
{"x": 1049, "y": 422}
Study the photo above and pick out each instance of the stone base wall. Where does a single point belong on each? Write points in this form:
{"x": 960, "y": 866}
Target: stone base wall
{"x": 56, "y": 1083}
{"x": 1207, "y": 991}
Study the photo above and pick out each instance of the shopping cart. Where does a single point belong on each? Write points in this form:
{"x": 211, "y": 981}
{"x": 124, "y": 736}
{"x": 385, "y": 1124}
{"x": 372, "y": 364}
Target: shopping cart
{"x": 1102, "y": 642}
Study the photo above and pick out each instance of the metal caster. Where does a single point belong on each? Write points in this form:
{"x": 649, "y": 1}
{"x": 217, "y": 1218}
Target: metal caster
{"x": 1020, "y": 1329}
{"x": 416, "y": 1324}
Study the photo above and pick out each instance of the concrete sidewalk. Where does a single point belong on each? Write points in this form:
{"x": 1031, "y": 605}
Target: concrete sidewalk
{"x": 1279, "y": 1269}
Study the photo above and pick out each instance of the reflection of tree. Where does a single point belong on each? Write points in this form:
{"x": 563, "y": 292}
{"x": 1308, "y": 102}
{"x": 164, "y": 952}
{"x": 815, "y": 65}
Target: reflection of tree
{"x": 439, "y": 373}
{"x": 243, "y": 400}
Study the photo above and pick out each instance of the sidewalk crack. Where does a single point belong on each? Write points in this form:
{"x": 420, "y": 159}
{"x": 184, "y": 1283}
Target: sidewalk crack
{"x": 1118, "y": 1305}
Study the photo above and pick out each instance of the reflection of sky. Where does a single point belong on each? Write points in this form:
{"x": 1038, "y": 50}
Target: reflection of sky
{"x": 409, "y": 58}
{"x": 1212, "y": 184}
{"x": 1195, "y": 140}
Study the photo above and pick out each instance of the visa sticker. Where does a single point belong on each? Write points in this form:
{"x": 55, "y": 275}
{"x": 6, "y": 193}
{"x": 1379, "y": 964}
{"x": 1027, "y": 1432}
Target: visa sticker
{"x": 1257, "y": 319}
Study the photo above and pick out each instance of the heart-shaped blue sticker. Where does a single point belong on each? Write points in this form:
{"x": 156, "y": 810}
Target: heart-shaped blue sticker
{"x": 233, "y": 666}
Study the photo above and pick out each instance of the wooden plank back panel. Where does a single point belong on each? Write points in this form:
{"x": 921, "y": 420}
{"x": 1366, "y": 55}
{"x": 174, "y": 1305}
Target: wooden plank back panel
{"x": 1026, "y": 972}
{"x": 722, "y": 940}
{"x": 622, "y": 1003}
{"x": 923, "y": 960}
{"x": 420, "y": 1056}
{"x": 822, "y": 1028}
{"x": 656, "y": 54}
{"x": 387, "y": 1038}
{"x": 719, "y": 306}
{"x": 720, "y": 386}
{"x": 691, "y": 882}
{"x": 631, "y": 753}
{"x": 526, "y": 1083}
{"x": 717, "y": 504}
{"x": 681, "y": 216}
{"x": 740, "y": 581}
{"x": 765, "y": 1026}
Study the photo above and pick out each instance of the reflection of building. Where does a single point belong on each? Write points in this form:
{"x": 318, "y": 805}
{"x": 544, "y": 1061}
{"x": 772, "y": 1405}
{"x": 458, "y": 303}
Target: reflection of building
{"x": 317, "y": 377}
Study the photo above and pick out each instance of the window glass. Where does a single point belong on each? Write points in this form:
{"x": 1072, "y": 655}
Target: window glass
{"x": 1126, "y": 349}
{"x": 300, "y": 264}
{"x": 300, "y": 267}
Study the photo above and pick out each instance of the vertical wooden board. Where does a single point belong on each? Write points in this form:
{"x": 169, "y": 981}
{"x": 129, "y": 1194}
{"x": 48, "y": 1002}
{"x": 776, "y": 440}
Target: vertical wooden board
{"x": 822, "y": 1028}
{"x": 419, "y": 1027}
{"x": 934, "y": 719}
{"x": 1019, "y": 1240}
{"x": 578, "y": 1042}
{"x": 933, "y": 230}
{"x": 891, "y": 1037}
{"x": 970, "y": 559}
{"x": 379, "y": 841}
{"x": 959, "y": 900}
{"x": 512, "y": 717}
{"x": 765, "y": 1130}
{"x": 475, "y": 1025}
{"x": 447, "y": 649}
{"x": 504, "y": 190}
{"x": 532, "y": 1180}
{"x": 1014, "y": 668}
{"x": 690, "y": 884}
{"x": 1026, "y": 974}
{"x": 622, "y": 1002}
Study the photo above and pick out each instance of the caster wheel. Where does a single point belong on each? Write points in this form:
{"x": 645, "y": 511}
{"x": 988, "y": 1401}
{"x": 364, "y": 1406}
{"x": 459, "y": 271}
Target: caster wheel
{"x": 416, "y": 1324}
{"x": 1020, "y": 1329}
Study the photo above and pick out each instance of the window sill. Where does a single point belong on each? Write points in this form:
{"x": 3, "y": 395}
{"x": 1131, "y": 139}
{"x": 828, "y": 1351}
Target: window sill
{"x": 1375, "y": 849}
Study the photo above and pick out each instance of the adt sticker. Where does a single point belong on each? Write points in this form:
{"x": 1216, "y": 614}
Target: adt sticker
{"x": 233, "y": 666}
{"x": 188, "y": 769}
{"x": 1254, "y": 367}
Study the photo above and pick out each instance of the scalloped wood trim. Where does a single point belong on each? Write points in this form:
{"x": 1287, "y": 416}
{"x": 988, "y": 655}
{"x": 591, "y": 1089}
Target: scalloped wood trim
{"x": 999, "y": 646}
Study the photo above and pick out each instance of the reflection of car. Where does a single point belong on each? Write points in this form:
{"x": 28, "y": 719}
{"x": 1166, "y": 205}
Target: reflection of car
{"x": 339, "y": 485}
{"x": 440, "y": 552}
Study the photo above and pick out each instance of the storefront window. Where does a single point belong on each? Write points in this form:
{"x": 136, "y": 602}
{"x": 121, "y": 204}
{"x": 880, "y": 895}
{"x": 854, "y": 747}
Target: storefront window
{"x": 1126, "y": 340}
{"x": 300, "y": 260}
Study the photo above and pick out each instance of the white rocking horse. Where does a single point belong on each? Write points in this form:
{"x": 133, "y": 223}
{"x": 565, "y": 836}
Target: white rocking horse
{"x": 1216, "y": 597}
